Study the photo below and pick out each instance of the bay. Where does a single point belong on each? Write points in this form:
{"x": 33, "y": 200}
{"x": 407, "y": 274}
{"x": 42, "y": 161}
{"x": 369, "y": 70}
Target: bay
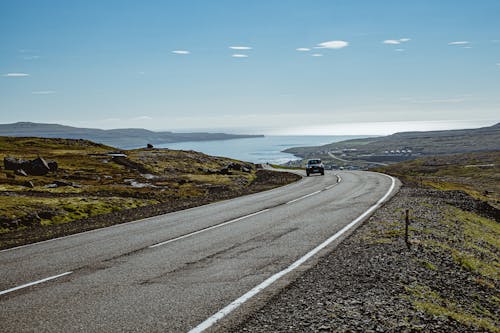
{"x": 257, "y": 150}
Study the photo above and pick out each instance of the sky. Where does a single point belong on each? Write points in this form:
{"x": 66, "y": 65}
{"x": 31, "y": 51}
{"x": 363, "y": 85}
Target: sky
{"x": 326, "y": 67}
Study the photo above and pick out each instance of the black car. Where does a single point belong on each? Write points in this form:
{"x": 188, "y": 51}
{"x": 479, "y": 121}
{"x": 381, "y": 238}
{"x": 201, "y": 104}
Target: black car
{"x": 315, "y": 166}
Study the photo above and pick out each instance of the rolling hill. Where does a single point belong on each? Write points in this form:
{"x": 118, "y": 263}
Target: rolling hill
{"x": 121, "y": 138}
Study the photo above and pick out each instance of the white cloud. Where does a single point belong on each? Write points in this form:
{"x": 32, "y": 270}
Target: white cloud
{"x": 142, "y": 118}
{"x": 462, "y": 42}
{"x": 399, "y": 50}
{"x": 43, "y": 92}
{"x": 316, "y": 55}
{"x": 16, "y": 75}
{"x": 240, "y": 47}
{"x": 303, "y": 49}
{"x": 31, "y": 57}
{"x": 239, "y": 56}
{"x": 396, "y": 41}
{"x": 467, "y": 47}
{"x": 334, "y": 44}
{"x": 181, "y": 52}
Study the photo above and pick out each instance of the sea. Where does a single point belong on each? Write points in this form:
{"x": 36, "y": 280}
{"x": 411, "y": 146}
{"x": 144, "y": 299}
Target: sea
{"x": 267, "y": 149}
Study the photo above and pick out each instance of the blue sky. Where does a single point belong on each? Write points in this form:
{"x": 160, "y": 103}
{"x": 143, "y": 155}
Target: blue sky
{"x": 363, "y": 67}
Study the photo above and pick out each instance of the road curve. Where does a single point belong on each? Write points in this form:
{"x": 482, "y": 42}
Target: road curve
{"x": 171, "y": 272}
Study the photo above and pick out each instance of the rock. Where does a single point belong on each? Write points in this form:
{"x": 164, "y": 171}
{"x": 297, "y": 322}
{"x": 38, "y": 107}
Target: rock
{"x": 149, "y": 146}
{"x": 52, "y": 166}
{"x": 224, "y": 171}
{"x": 60, "y": 183}
{"x": 38, "y": 167}
{"x": 21, "y": 172}
{"x": 12, "y": 163}
{"x": 29, "y": 184}
{"x": 245, "y": 169}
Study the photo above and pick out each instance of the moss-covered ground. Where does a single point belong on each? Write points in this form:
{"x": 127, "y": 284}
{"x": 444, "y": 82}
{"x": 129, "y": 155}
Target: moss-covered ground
{"x": 94, "y": 179}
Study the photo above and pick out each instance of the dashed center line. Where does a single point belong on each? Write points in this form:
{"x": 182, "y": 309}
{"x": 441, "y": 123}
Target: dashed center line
{"x": 209, "y": 228}
{"x": 303, "y": 197}
{"x": 34, "y": 283}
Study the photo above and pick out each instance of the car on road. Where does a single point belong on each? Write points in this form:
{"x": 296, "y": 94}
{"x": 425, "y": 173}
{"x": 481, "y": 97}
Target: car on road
{"x": 315, "y": 166}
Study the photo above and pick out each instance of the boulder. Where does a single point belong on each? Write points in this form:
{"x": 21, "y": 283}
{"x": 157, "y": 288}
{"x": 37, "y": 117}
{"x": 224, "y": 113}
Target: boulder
{"x": 149, "y": 146}
{"x": 12, "y": 163}
{"x": 38, "y": 167}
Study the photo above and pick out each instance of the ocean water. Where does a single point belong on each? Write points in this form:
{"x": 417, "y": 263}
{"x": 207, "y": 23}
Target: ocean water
{"x": 257, "y": 150}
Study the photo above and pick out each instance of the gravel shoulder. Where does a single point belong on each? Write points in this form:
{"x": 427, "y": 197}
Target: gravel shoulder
{"x": 446, "y": 281}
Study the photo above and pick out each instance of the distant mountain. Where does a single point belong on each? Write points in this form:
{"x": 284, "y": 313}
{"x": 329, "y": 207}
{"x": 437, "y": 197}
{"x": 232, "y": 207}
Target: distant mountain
{"x": 122, "y": 138}
{"x": 419, "y": 143}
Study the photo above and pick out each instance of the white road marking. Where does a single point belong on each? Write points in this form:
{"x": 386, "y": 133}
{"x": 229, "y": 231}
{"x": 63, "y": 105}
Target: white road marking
{"x": 242, "y": 299}
{"x": 339, "y": 179}
{"x": 303, "y": 197}
{"x": 33, "y": 283}
{"x": 207, "y": 229}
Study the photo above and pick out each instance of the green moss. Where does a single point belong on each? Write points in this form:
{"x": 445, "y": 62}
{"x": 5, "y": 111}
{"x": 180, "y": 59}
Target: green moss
{"x": 461, "y": 317}
{"x": 427, "y": 264}
{"x": 425, "y": 299}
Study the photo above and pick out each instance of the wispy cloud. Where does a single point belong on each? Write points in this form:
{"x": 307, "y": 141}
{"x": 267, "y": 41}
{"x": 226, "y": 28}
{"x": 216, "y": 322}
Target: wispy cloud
{"x": 43, "y": 92}
{"x": 31, "y": 57}
{"x": 16, "y": 75}
{"x": 447, "y": 100}
{"x": 461, "y": 42}
{"x": 181, "y": 52}
{"x": 303, "y": 49}
{"x": 399, "y": 50}
{"x": 316, "y": 55}
{"x": 142, "y": 118}
{"x": 391, "y": 42}
{"x": 396, "y": 41}
{"x": 498, "y": 64}
{"x": 240, "y": 47}
{"x": 333, "y": 44}
{"x": 239, "y": 56}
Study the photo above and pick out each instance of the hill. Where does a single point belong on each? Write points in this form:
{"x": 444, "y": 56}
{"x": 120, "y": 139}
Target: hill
{"x": 90, "y": 185}
{"x": 122, "y": 138}
{"x": 408, "y": 145}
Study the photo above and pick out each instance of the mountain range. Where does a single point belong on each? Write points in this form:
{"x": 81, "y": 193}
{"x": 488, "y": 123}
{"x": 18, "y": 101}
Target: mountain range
{"x": 419, "y": 143}
{"x": 121, "y": 138}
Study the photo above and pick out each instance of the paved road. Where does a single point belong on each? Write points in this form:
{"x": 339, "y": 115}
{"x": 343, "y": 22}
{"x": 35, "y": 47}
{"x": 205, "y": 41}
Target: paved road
{"x": 169, "y": 273}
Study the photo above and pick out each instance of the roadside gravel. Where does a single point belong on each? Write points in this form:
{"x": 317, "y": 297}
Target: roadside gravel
{"x": 373, "y": 283}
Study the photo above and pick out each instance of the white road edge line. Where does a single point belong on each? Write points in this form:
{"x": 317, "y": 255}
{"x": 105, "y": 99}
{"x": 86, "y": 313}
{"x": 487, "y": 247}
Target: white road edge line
{"x": 207, "y": 229}
{"x": 242, "y": 299}
{"x": 303, "y": 197}
{"x": 33, "y": 283}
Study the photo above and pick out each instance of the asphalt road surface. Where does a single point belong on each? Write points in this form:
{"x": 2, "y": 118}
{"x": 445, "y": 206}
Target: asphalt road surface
{"x": 171, "y": 272}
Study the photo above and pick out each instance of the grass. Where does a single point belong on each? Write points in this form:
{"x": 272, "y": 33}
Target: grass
{"x": 62, "y": 210}
{"x": 477, "y": 174}
{"x": 104, "y": 183}
{"x": 430, "y": 302}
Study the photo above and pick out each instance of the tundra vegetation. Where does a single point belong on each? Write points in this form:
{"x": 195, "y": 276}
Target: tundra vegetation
{"x": 455, "y": 238}
{"x": 95, "y": 185}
